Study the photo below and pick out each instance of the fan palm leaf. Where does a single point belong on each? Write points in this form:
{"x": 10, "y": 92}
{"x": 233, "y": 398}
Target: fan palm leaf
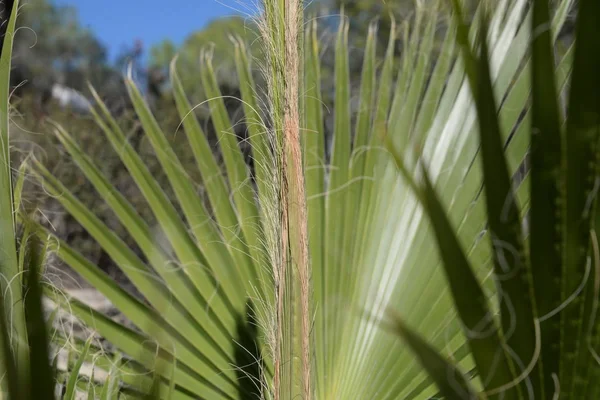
{"x": 227, "y": 304}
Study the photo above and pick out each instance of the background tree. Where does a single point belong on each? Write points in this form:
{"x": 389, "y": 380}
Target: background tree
{"x": 215, "y": 38}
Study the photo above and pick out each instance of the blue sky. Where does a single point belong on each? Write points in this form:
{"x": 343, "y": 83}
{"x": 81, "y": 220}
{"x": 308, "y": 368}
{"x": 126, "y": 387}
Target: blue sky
{"x": 119, "y": 23}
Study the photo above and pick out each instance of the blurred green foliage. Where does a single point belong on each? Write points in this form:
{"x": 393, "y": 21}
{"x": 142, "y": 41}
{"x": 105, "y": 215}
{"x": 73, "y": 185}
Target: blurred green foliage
{"x": 216, "y": 38}
{"x": 53, "y": 44}
{"x": 52, "y": 47}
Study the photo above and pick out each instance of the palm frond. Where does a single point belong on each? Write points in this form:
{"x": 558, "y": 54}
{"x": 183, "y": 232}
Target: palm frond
{"x": 547, "y": 299}
{"x": 235, "y": 275}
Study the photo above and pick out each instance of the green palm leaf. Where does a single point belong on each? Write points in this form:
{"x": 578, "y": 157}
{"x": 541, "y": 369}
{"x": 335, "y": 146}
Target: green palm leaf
{"x": 547, "y": 348}
{"x": 9, "y": 286}
{"x": 231, "y": 280}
